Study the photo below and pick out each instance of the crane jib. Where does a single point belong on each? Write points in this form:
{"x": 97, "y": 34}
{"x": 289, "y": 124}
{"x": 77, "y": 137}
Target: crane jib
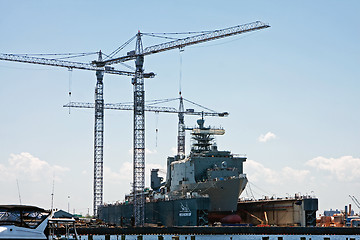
{"x": 120, "y": 106}
{"x": 205, "y": 37}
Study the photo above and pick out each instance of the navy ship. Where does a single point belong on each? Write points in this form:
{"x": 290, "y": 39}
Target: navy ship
{"x": 206, "y": 181}
{"x": 206, "y": 172}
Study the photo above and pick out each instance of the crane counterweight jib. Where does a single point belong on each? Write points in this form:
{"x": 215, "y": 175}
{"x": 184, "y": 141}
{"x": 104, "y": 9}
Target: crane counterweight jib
{"x": 68, "y": 64}
{"x": 224, "y": 114}
{"x": 149, "y": 75}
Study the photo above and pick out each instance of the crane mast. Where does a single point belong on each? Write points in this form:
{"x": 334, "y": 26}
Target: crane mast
{"x": 139, "y": 136}
{"x": 98, "y": 140}
{"x": 181, "y": 130}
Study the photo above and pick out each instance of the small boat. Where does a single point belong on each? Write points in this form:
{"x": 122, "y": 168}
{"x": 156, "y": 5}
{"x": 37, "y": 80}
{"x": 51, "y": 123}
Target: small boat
{"x": 23, "y": 222}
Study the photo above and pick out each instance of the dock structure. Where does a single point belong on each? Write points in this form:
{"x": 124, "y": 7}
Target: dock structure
{"x": 179, "y": 212}
{"x": 285, "y": 212}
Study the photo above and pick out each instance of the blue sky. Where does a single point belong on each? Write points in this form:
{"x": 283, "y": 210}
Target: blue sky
{"x": 291, "y": 90}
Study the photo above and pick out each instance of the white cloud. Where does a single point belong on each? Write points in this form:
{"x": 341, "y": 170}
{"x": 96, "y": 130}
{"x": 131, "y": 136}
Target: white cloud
{"x": 264, "y": 181}
{"x": 268, "y": 136}
{"x": 125, "y": 173}
{"x": 147, "y": 151}
{"x": 257, "y": 172}
{"x": 294, "y": 174}
{"x": 173, "y": 150}
{"x": 26, "y": 166}
{"x": 345, "y": 168}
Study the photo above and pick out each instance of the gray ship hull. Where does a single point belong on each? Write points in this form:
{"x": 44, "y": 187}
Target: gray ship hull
{"x": 223, "y": 194}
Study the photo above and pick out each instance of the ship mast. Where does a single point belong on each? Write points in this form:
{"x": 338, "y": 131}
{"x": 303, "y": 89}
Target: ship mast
{"x": 203, "y": 136}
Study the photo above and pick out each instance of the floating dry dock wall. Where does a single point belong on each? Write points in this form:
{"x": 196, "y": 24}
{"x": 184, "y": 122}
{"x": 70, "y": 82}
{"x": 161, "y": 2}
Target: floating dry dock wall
{"x": 279, "y": 212}
{"x": 180, "y": 212}
{"x": 195, "y": 212}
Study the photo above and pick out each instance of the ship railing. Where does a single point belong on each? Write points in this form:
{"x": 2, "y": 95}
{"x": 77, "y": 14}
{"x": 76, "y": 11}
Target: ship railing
{"x": 239, "y": 155}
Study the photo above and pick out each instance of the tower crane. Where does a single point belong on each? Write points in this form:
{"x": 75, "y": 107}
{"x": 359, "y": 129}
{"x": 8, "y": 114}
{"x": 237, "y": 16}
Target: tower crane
{"x": 181, "y": 112}
{"x": 101, "y": 66}
{"x": 120, "y": 106}
{"x": 139, "y": 97}
{"x": 99, "y": 107}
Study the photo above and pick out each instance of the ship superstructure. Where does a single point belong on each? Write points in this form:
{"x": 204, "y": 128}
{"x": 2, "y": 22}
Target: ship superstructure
{"x": 207, "y": 171}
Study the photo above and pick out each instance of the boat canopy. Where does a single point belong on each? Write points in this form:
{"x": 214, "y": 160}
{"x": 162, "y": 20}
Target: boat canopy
{"x": 22, "y": 215}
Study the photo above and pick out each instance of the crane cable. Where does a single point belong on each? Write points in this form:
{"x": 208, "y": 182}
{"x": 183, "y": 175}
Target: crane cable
{"x": 17, "y": 183}
{"x": 156, "y": 128}
{"x": 70, "y": 83}
{"x": 196, "y": 104}
{"x": 251, "y": 192}
{"x": 60, "y": 55}
{"x": 178, "y": 33}
{"x": 181, "y": 50}
{"x": 116, "y": 51}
